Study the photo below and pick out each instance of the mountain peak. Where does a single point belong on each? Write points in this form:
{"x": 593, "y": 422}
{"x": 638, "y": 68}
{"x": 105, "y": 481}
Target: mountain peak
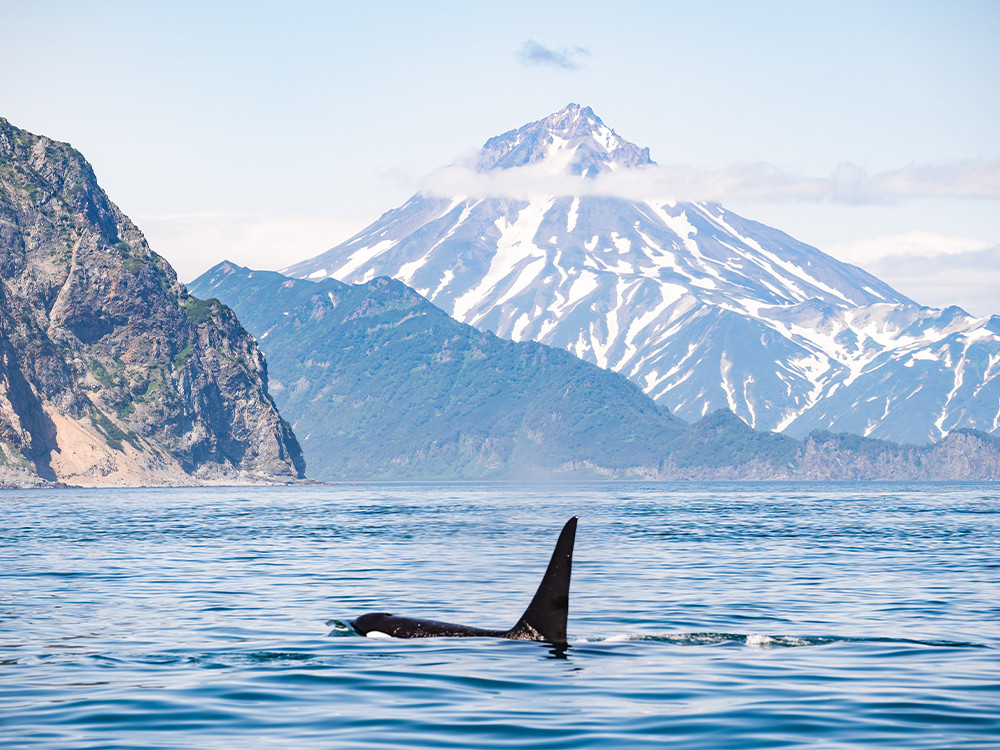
{"x": 572, "y": 141}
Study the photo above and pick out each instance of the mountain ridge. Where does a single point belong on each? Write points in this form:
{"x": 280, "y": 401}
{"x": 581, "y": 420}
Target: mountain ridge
{"x": 382, "y": 384}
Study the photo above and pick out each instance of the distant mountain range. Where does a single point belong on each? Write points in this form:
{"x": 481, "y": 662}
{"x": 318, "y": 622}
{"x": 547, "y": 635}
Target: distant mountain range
{"x": 701, "y": 308}
{"x": 110, "y": 372}
{"x": 381, "y": 384}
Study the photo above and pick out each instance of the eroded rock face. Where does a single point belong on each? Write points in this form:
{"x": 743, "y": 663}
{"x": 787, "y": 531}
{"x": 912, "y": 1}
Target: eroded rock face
{"x": 110, "y": 372}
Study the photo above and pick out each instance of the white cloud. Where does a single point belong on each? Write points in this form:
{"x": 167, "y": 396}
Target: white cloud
{"x": 535, "y": 53}
{"x": 932, "y": 269}
{"x": 193, "y": 243}
{"x": 848, "y": 183}
{"x": 971, "y": 178}
{"x": 908, "y": 245}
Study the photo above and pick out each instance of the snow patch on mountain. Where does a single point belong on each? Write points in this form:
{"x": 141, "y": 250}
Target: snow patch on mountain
{"x": 699, "y": 306}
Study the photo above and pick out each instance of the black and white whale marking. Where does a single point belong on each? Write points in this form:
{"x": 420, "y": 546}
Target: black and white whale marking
{"x": 543, "y": 620}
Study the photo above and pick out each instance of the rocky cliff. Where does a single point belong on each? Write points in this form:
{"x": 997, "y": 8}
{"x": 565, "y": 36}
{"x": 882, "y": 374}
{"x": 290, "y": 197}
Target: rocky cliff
{"x": 110, "y": 372}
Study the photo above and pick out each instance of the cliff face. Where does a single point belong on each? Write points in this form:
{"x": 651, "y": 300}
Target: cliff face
{"x": 110, "y": 372}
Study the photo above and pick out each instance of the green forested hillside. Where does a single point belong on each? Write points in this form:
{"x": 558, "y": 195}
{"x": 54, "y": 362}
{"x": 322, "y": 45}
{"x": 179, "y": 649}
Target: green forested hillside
{"x": 379, "y": 383}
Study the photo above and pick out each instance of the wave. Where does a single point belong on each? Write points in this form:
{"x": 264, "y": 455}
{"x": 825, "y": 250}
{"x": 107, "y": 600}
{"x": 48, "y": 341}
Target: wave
{"x": 762, "y": 640}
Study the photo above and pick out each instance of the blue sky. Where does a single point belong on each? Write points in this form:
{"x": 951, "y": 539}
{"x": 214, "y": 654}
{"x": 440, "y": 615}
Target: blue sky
{"x": 266, "y": 133}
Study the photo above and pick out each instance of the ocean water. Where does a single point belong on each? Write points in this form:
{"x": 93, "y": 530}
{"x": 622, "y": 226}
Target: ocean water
{"x": 701, "y": 616}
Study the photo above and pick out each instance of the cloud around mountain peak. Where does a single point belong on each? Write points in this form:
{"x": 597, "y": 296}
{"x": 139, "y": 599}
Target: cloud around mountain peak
{"x": 969, "y": 179}
{"x": 572, "y": 152}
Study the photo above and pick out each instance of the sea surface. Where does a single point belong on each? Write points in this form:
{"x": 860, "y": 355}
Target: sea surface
{"x": 701, "y": 616}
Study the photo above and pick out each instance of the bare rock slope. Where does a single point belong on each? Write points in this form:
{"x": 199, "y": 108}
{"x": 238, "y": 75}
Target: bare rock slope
{"x": 110, "y": 372}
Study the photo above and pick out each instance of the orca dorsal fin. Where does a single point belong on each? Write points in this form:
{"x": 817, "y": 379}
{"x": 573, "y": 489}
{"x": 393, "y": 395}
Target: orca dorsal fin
{"x": 545, "y": 617}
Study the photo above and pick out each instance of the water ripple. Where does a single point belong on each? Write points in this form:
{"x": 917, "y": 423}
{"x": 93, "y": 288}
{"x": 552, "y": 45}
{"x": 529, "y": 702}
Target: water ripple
{"x": 702, "y": 616}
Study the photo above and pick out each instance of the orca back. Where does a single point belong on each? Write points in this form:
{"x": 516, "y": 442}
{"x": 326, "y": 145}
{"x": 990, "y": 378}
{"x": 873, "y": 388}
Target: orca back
{"x": 393, "y": 626}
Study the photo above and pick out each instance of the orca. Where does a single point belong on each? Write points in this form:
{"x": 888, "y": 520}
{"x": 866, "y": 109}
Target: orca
{"x": 543, "y": 620}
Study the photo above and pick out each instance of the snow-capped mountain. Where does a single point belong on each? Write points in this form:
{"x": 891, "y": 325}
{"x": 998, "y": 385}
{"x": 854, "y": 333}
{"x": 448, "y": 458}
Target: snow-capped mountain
{"x": 702, "y": 308}
{"x": 573, "y": 141}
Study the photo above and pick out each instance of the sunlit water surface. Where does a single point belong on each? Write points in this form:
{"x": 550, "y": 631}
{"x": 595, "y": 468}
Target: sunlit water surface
{"x": 702, "y": 616}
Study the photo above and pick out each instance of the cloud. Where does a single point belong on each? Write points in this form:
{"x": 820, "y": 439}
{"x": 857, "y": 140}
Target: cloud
{"x": 932, "y": 269}
{"x": 908, "y": 245}
{"x": 847, "y": 184}
{"x": 972, "y": 178}
{"x": 534, "y": 53}
{"x": 969, "y": 279}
